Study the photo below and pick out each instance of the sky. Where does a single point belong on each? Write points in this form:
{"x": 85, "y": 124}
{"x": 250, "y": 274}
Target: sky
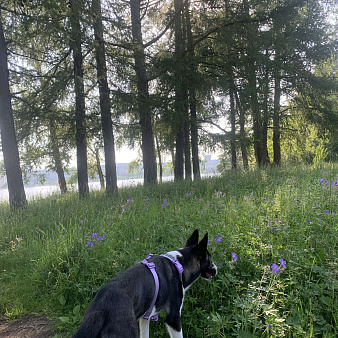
{"x": 125, "y": 155}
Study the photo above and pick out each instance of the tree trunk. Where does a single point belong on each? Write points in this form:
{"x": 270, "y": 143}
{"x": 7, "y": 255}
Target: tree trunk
{"x": 16, "y": 191}
{"x": 99, "y": 168}
{"x": 106, "y": 121}
{"x": 180, "y": 115}
{"x": 233, "y": 130}
{"x": 192, "y": 95}
{"x": 187, "y": 154}
{"x": 255, "y": 111}
{"x": 276, "y": 117}
{"x": 194, "y": 138}
{"x": 148, "y": 148}
{"x": 266, "y": 115}
{"x": 80, "y": 114}
{"x": 179, "y": 157}
{"x": 242, "y": 132}
{"x": 57, "y": 157}
{"x": 173, "y": 157}
{"x": 159, "y": 157}
{"x": 251, "y": 68}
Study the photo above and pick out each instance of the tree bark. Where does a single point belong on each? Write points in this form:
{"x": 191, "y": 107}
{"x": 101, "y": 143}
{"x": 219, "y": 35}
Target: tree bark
{"x": 251, "y": 68}
{"x": 148, "y": 147}
{"x": 57, "y": 157}
{"x": 187, "y": 153}
{"x": 255, "y": 111}
{"x": 180, "y": 112}
{"x": 194, "y": 138}
{"x": 276, "y": 118}
{"x": 106, "y": 121}
{"x": 192, "y": 95}
{"x": 16, "y": 191}
{"x": 159, "y": 157}
{"x": 242, "y": 132}
{"x": 179, "y": 156}
{"x": 233, "y": 130}
{"x": 99, "y": 168}
{"x": 80, "y": 114}
{"x": 266, "y": 115}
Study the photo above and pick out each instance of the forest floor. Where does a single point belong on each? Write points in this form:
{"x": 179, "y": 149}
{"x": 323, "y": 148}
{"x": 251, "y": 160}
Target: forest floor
{"x": 26, "y": 327}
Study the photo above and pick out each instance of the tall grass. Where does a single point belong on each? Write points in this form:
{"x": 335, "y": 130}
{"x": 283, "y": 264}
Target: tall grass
{"x": 283, "y": 218}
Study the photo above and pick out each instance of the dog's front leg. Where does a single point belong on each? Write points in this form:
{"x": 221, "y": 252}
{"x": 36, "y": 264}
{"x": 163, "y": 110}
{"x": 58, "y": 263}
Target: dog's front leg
{"x": 174, "y": 326}
{"x": 144, "y": 328}
{"x": 173, "y": 333}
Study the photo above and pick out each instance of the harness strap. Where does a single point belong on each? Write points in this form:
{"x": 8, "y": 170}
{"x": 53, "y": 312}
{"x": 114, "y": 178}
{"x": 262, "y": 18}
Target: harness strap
{"x": 177, "y": 264}
{"x": 151, "y": 267}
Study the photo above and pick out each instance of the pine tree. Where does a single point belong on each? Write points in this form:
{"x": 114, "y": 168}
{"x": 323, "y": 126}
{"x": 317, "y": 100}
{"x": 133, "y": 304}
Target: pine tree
{"x": 17, "y": 196}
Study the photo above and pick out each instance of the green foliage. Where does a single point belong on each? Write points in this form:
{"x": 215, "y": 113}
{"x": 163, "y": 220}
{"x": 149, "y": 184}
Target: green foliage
{"x": 321, "y": 155}
{"x": 134, "y": 166}
{"x": 70, "y": 247}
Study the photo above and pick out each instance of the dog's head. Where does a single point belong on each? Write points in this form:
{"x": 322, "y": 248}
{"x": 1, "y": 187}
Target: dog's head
{"x": 199, "y": 249}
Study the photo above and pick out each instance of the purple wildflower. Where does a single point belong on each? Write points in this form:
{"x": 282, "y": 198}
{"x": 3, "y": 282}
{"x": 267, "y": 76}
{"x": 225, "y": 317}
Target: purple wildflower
{"x": 165, "y": 203}
{"x": 282, "y": 263}
{"x": 218, "y": 239}
{"x": 95, "y": 234}
{"x": 275, "y": 268}
{"x": 234, "y": 256}
{"x": 90, "y": 244}
{"x": 322, "y": 180}
{"x": 327, "y": 211}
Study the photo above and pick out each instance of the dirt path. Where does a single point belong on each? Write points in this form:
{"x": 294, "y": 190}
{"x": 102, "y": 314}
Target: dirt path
{"x": 26, "y": 327}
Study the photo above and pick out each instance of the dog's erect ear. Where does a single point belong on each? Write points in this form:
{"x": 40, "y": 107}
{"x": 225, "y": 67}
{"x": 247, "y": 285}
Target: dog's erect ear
{"x": 201, "y": 248}
{"x": 193, "y": 239}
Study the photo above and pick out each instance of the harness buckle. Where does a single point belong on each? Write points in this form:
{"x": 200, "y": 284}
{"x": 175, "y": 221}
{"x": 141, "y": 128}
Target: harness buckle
{"x": 179, "y": 266}
{"x": 151, "y": 265}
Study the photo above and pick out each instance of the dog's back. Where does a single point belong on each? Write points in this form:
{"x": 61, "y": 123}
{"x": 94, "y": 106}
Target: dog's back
{"x": 116, "y": 307}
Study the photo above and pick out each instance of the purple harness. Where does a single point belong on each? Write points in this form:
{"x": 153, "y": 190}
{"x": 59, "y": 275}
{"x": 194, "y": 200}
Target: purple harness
{"x": 151, "y": 267}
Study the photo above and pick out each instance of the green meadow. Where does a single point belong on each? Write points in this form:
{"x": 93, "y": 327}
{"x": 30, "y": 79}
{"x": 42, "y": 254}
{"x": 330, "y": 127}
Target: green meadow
{"x": 273, "y": 235}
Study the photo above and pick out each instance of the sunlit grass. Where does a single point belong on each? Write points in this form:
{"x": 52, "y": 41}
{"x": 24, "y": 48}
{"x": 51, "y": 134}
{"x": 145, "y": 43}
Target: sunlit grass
{"x": 272, "y": 234}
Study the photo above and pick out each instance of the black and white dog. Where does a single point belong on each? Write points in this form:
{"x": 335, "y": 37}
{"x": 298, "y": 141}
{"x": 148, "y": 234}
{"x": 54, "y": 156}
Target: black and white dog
{"x": 143, "y": 290}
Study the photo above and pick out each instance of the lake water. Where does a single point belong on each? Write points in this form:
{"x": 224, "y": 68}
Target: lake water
{"x": 45, "y": 190}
